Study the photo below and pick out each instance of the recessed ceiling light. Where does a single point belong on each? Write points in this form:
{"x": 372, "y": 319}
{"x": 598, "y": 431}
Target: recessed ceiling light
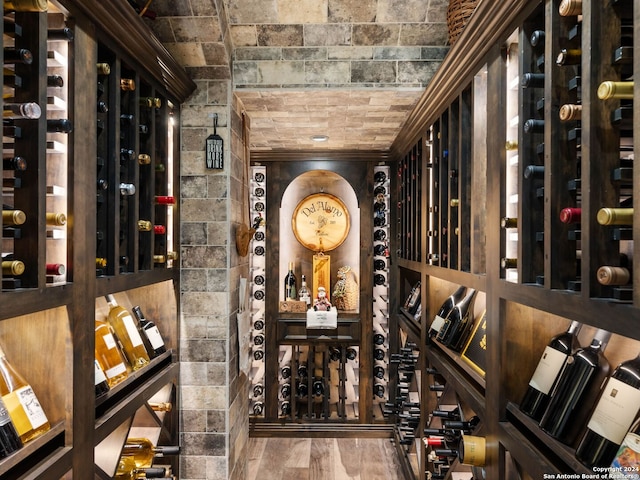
{"x": 319, "y": 138}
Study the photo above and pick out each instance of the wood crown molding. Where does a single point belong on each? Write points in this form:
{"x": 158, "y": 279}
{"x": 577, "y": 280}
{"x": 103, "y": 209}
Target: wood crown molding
{"x": 120, "y": 23}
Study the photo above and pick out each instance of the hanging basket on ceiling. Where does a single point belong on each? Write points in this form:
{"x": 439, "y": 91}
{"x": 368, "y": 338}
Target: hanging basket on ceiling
{"x": 458, "y": 14}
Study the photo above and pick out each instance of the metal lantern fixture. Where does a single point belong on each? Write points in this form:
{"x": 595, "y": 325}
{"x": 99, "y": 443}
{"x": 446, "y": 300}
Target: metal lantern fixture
{"x": 214, "y": 147}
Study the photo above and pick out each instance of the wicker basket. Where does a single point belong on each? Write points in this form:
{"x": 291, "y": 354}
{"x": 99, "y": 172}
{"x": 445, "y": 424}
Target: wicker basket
{"x": 345, "y": 292}
{"x": 458, "y": 14}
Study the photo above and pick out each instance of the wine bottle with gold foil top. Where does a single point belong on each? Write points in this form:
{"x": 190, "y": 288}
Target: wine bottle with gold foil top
{"x": 125, "y": 327}
{"x": 143, "y": 451}
{"x": 56, "y": 219}
{"x": 569, "y": 8}
{"x": 13, "y": 217}
{"x": 25, "y": 410}
{"x": 108, "y": 354}
{"x": 615, "y": 90}
{"x": 25, "y": 5}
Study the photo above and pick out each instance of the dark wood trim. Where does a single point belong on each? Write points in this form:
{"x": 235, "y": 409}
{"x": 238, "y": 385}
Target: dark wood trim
{"x": 315, "y": 155}
{"x": 320, "y": 430}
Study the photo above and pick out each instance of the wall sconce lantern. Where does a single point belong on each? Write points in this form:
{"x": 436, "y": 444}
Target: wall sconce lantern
{"x": 214, "y": 148}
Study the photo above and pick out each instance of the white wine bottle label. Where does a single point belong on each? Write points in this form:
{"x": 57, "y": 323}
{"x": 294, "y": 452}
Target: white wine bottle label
{"x": 99, "y": 374}
{"x": 132, "y": 331}
{"x": 615, "y": 411}
{"x": 4, "y": 414}
{"x": 155, "y": 339}
{"x": 115, "y": 371}
{"x": 25, "y": 409}
{"x": 547, "y": 370}
{"x": 109, "y": 341}
{"x": 626, "y": 465}
{"x": 437, "y": 323}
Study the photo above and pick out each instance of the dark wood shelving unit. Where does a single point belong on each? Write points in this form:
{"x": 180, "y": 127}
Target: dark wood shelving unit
{"x": 54, "y": 313}
{"x": 470, "y": 122}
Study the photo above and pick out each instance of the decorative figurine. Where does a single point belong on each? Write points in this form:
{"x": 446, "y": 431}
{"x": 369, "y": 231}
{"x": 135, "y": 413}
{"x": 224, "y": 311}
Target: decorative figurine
{"x": 321, "y": 303}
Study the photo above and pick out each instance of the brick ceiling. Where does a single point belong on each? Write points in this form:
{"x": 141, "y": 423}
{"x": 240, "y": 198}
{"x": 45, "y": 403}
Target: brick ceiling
{"x": 348, "y": 69}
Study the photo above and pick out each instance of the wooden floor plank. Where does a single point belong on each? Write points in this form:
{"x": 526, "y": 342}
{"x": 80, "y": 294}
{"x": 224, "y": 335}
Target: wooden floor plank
{"x": 323, "y": 459}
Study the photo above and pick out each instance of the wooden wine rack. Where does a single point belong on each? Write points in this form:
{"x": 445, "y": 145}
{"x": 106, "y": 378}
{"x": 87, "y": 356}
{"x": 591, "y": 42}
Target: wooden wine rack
{"x": 470, "y": 123}
{"x": 47, "y": 321}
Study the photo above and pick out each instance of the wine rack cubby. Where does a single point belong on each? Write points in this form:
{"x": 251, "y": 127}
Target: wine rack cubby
{"x": 521, "y": 122}
{"x": 73, "y": 240}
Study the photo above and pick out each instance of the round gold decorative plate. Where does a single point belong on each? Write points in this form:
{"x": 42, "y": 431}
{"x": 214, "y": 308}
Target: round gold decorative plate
{"x": 321, "y": 222}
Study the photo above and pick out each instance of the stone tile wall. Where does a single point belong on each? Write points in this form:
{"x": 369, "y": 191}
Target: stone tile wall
{"x": 337, "y": 43}
{"x": 214, "y": 402}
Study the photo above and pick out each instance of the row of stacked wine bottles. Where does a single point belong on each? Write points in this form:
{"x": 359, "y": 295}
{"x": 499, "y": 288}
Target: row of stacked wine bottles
{"x": 258, "y": 300}
{"x": 574, "y": 393}
{"x": 135, "y": 200}
{"x": 577, "y": 121}
{"x": 123, "y": 344}
{"x": 27, "y": 111}
{"x": 381, "y": 288}
{"x": 314, "y": 383}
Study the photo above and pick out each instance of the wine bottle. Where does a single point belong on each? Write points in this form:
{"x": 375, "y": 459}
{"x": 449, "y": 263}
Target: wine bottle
{"x": 127, "y": 189}
{"x": 143, "y": 451}
{"x": 160, "y": 406}
{"x": 537, "y": 38}
{"x": 351, "y": 353}
{"x": 570, "y": 111}
{"x": 445, "y": 310}
{"x": 165, "y": 200}
{"x": 27, "y": 415}
{"x": 536, "y": 398}
{"x": 532, "y": 80}
{"x": 626, "y": 463}
{"x": 303, "y": 293}
{"x": 18, "y": 164}
{"x": 453, "y": 332}
{"x": 509, "y": 222}
{"x": 290, "y": 292}
{"x": 154, "y": 342}
{"x": 576, "y": 390}
{"x": 472, "y": 450}
{"x": 12, "y": 268}
{"x": 144, "y": 159}
{"x": 609, "y": 275}
{"x": 108, "y": 354}
{"x": 159, "y": 229}
{"x": 533, "y": 171}
{"x": 615, "y": 216}
{"x": 127, "y": 84}
{"x": 59, "y": 126}
{"x": 25, "y": 5}
{"x": 150, "y": 102}
{"x": 616, "y": 90}
{"x": 125, "y": 328}
{"x": 55, "y": 269}
{"x": 615, "y": 411}
{"x": 144, "y": 226}
{"x": 55, "y": 81}
{"x": 379, "y": 279}
{"x": 533, "y": 126}
{"x": 9, "y": 438}
{"x": 13, "y": 217}
{"x": 100, "y": 380}
{"x": 65, "y": 34}
{"x": 569, "y": 56}
{"x": 17, "y": 55}
{"x": 29, "y": 110}
{"x": 569, "y": 8}
{"x": 127, "y": 470}
{"x": 570, "y": 215}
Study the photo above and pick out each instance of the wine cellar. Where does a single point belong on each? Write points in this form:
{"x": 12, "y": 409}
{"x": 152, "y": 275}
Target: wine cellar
{"x": 466, "y": 295}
